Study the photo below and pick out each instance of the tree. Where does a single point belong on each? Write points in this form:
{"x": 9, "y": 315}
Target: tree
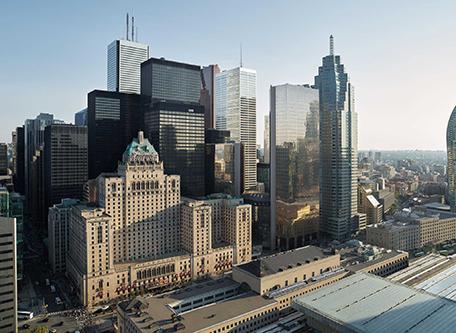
{"x": 39, "y": 329}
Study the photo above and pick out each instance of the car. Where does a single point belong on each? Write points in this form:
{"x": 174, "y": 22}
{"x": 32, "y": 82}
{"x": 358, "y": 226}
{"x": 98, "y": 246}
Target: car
{"x": 61, "y": 323}
{"x": 52, "y": 330}
{"x": 46, "y": 320}
{"x": 26, "y": 326}
{"x": 105, "y": 308}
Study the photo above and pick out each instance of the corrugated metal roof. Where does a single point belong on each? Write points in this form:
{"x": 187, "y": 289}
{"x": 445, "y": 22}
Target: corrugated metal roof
{"x": 367, "y": 303}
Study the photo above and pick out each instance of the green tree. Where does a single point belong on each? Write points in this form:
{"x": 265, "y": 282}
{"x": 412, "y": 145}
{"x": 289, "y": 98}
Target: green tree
{"x": 39, "y": 329}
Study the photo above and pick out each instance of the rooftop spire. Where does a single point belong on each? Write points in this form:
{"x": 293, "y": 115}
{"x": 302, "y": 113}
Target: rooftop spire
{"x": 331, "y": 45}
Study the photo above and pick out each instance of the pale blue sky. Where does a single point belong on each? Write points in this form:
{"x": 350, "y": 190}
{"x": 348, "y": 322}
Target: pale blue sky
{"x": 399, "y": 54}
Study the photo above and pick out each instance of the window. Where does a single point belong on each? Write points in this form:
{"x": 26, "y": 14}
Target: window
{"x": 100, "y": 234}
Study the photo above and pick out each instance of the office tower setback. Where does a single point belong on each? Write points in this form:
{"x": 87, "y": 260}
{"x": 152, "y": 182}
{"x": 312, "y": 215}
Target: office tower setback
{"x": 451, "y": 151}
{"x": 113, "y": 121}
{"x": 338, "y": 150}
{"x": 65, "y": 162}
{"x": 19, "y": 160}
{"x": 294, "y": 153}
{"x": 173, "y": 119}
{"x": 80, "y": 118}
{"x": 8, "y": 278}
{"x": 3, "y": 159}
{"x": 235, "y": 111}
{"x": 208, "y": 94}
{"x": 124, "y": 65}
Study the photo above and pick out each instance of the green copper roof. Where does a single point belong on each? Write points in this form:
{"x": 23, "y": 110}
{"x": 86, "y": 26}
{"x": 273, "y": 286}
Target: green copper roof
{"x": 140, "y": 151}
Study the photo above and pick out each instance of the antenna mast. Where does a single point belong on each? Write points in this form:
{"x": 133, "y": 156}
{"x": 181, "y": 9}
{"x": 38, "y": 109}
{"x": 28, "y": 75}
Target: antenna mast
{"x": 127, "y": 26}
{"x": 133, "y": 26}
{"x": 331, "y": 45}
{"x": 241, "y": 56}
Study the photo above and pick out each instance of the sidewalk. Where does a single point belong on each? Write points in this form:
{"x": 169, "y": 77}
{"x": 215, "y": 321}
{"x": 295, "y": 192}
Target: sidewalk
{"x": 27, "y": 295}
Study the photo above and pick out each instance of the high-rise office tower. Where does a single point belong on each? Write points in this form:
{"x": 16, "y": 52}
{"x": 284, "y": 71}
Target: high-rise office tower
{"x": 208, "y": 94}
{"x": 113, "y": 120}
{"x": 294, "y": 159}
{"x": 173, "y": 119}
{"x": 235, "y": 111}
{"x": 19, "y": 160}
{"x": 37, "y": 195}
{"x": 3, "y": 159}
{"x": 124, "y": 65}
{"x": 80, "y": 118}
{"x": 65, "y": 163}
{"x": 34, "y": 139}
{"x": 451, "y": 151}
{"x": 8, "y": 278}
{"x": 267, "y": 143}
{"x": 338, "y": 150}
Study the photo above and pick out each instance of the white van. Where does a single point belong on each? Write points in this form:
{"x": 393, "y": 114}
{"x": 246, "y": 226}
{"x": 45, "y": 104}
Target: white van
{"x": 48, "y": 282}
{"x": 58, "y": 301}
{"x": 53, "y": 289}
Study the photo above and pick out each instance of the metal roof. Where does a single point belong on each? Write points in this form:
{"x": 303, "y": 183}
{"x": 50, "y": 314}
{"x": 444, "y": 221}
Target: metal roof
{"x": 367, "y": 303}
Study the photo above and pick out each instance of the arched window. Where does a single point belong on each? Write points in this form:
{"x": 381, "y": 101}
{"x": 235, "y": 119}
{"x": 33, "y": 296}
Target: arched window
{"x": 156, "y": 184}
{"x": 167, "y": 269}
{"x": 133, "y": 185}
{"x": 100, "y": 234}
{"x": 138, "y": 186}
{"x": 138, "y": 275}
{"x": 149, "y": 272}
{"x": 154, "y": 271}
{"x": 143, "y": 186}
{"x": 173, "y": 183}
{"x": 163, "y": 270}
{"x": 144, "y": 274}
{"x": 172, "y": 267}
{"x": 147, "y": 185}
{"x": 113, "y": 187}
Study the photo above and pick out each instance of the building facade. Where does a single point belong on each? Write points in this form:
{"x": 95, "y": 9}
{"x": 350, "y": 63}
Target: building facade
{"x": 19, "y": 160}
{"x": 208, "y": 94}
{"x": 113, "y": 121}
{"x": 8, "y": 278}
{"x": 3, "y": 159}
{"x": 235, "y": 111}
{"x": 173, "y": 119}
{"x": 451, "y": 151}
{"x": 294, "y": 160}
{"x": 66, "y": 162}
{"x": 58, "y": 221}
{"x": 338, "y": 150}
{"x": 147, "y": 235}
{"x": 124, "y": 65}
{"x": 80, "y": 118}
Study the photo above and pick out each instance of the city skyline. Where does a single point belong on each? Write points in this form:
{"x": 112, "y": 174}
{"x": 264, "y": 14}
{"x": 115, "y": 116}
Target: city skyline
{"x": 390, "y": 97}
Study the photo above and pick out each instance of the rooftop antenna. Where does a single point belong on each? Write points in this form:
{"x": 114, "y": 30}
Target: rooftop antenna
{"x": 331, "y": 45}
{"x": 133, "y": 26}
{"x": 241, "y": 55}
{"x": 127, "y": 26}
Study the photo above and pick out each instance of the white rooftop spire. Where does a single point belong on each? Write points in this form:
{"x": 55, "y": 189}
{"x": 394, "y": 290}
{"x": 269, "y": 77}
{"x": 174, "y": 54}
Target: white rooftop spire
{"x": 331, "y": 45}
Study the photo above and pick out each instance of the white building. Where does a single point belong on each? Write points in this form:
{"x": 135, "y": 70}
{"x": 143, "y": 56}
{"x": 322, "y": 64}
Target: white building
{"x": 124, "y": 65}
{"x": 235, "y": 111}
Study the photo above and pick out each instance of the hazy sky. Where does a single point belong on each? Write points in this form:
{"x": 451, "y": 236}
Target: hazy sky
{"x": 399, "y": 54}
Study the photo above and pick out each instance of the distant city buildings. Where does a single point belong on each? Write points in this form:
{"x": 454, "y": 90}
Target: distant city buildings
{"x": 338, "y": 150}
{"x": 80, "y": 118}
{"x": 3, "y": 159}
{"x": 235, "y": 111}
{"x": 124, "y": 65}
{"x": 19, "y": 160}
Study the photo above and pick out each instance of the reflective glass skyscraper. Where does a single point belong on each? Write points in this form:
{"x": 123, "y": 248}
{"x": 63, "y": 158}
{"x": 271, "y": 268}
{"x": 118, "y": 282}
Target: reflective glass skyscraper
{"x": 338, "y": 150}
{"x": 294, "y": 152}
{"x": 235, "y": 111}
{"x": 451, "y": 150}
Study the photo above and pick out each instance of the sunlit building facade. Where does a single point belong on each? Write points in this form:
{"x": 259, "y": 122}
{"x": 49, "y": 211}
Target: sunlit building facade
{"x": 451, "y": 150}
{"x": 294, "y": 123}
{"x": 235, "y": 111}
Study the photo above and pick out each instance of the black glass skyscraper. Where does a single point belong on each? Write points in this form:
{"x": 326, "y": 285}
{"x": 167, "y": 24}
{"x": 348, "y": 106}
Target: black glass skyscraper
{"x": 19, "y": 161}
{"x": 65, "y": 163}
{"x": 113, "y": 122}
{"x": 173, "y": 120}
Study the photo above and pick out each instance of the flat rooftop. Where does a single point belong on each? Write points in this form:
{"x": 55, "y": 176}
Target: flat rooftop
{"x": 367, "y": 303}
{"x": 351, "y": 260}
{"x": 199, "y": 318}
{"x": 270, "y": 265}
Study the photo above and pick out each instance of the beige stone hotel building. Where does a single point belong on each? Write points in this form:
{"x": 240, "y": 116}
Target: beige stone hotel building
{"x": 139, "y": 232}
